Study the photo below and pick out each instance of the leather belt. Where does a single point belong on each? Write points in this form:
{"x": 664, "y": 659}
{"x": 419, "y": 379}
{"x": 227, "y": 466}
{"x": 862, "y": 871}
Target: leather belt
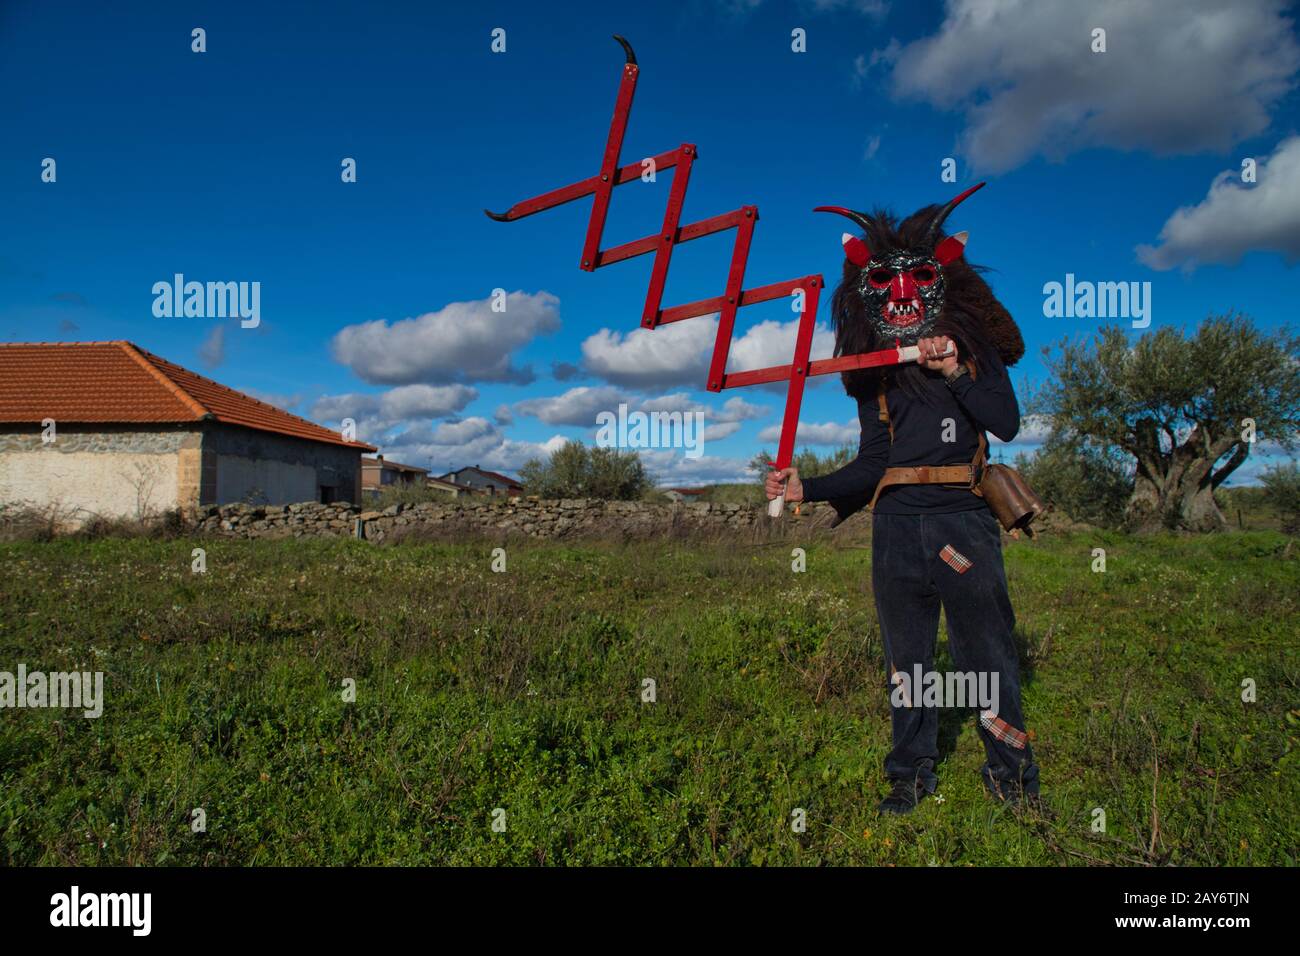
{"x": 959, "y": 476}
{"x": 929, "y": 475}
{"x": 962, "y": 476}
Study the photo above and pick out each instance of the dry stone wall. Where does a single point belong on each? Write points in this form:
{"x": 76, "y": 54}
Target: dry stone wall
{"x": 514, "y": 518}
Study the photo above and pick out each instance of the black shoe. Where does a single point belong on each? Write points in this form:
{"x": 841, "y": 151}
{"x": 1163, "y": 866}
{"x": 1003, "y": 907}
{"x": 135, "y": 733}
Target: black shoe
{"x": 904, "y": 797}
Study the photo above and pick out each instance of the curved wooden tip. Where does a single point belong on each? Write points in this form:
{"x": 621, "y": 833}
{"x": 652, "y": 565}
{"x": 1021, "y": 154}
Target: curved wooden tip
{"x": 627, "y": 49}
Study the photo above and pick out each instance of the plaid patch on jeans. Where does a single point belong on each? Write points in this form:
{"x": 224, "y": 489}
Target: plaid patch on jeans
{"x": 956, "y": 560}
{"x": 1002, "y": 730}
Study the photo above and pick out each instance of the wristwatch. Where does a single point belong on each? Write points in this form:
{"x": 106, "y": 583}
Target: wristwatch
{"x": 956, "y": 373}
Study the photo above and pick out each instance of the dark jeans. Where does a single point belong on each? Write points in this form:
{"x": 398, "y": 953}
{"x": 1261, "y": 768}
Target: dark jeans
{"x": 910, "y": 579}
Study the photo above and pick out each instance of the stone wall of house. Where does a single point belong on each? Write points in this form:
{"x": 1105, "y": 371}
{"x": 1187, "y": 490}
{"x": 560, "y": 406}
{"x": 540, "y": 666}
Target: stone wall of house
{"x": 107, "y": 471}
{"x": 518, "y": 518}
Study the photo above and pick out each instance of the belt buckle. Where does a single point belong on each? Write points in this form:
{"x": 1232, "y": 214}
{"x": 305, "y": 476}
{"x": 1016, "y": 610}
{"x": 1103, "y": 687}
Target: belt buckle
{"x": 969, "y": 484}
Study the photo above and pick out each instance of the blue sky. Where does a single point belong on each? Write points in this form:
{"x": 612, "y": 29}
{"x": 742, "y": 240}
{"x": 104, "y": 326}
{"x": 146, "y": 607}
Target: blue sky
{"x": 225, "y": 166}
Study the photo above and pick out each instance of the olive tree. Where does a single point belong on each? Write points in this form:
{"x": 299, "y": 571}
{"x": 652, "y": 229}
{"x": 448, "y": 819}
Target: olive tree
{"x": 1186, "y": 409}
{"x": 575, "y": 470}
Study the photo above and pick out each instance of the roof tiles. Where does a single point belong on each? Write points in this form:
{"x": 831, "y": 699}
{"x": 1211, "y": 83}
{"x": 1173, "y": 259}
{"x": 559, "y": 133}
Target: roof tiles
{"x": 118, "y": 382}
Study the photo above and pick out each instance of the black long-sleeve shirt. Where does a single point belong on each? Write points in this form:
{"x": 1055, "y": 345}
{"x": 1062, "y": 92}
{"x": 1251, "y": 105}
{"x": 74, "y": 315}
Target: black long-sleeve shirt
{"x": 919, "y": 432}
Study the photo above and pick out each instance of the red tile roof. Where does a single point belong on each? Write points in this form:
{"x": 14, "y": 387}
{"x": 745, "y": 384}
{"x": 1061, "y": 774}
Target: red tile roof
{"x": 118, "y": 382}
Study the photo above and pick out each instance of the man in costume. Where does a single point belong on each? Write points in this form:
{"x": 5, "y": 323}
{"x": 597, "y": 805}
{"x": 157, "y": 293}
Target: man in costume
{"x": 922, "y": 450}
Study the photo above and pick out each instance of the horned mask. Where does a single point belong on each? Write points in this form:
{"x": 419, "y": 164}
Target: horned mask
{"x": 902, "y": 287}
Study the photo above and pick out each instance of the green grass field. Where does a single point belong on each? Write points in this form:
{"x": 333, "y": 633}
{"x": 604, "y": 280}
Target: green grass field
{"x": 522, "y": 690}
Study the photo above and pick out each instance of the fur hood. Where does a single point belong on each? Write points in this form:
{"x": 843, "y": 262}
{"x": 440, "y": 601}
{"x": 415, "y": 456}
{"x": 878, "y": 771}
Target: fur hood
{"x": 972, "y": 314}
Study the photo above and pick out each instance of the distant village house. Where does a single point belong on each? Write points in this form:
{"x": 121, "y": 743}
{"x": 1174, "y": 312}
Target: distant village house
{"x": 484, "y": 481}
{"x": 379, "y": 473}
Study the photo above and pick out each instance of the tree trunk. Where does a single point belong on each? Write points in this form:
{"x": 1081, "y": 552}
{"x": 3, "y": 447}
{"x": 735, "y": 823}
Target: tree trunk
{"x": 1175, "y": 490}
{"x": 1197, "y": 510}
{"x": 1144, "y": 508}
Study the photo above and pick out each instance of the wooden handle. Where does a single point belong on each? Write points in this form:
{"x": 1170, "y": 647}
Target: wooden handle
{"x": 912, "y": 353}
{"x": 776, "y": 507}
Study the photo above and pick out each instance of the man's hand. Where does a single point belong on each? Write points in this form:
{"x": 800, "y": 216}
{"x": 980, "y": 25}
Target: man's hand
{"x": 793, "y": 486}
{"x": 932, "y": 348}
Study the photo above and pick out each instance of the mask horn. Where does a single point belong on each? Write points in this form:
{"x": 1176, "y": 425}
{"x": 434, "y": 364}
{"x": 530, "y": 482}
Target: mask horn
{"x": 932, "y": 233}
{"x": 857, "y": 251}
{"x": 951, "y": 248}
{"x": 861, "y": 218}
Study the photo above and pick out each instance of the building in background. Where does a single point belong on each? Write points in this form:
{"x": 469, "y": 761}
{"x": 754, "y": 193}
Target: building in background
{"x": 108, "y": 429}
{"x": 379, "y": 473}
{"x": 452, "y": 489}
{"x": 484, "y": 481}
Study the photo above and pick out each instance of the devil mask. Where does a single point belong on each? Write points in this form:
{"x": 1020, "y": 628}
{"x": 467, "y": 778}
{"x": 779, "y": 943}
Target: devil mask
{"x": 902, "y": 288}
{"x": 907, "y": 280}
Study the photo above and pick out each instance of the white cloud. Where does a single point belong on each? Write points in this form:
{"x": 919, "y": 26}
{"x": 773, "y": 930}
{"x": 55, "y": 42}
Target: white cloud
{"x": 577, "y": 406}
{"x": 461, "y": 342}
{"x": 733, "y": 410}
{"x": 675, "y": 354}
{"x": 463, "y": 432}
{"x": 772, "y": 343}
{"x": 812, "y": 433}
{"x": 580, "y": 406}
{"x": 398, "y": 404}
{"x": 719, "y": 431}
{"x": 376, "y": 415}
{"x": 671, "y": 469}
{"x": 1180, "y": 76}
{"x": 333, "y": 408}
{"x": 425, "y": 401}
{"x": 738, "y": 410}
{"x": 679, "y": 354}
{"x": 1235, "y": 218}
{"x": 472, "y": 441}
